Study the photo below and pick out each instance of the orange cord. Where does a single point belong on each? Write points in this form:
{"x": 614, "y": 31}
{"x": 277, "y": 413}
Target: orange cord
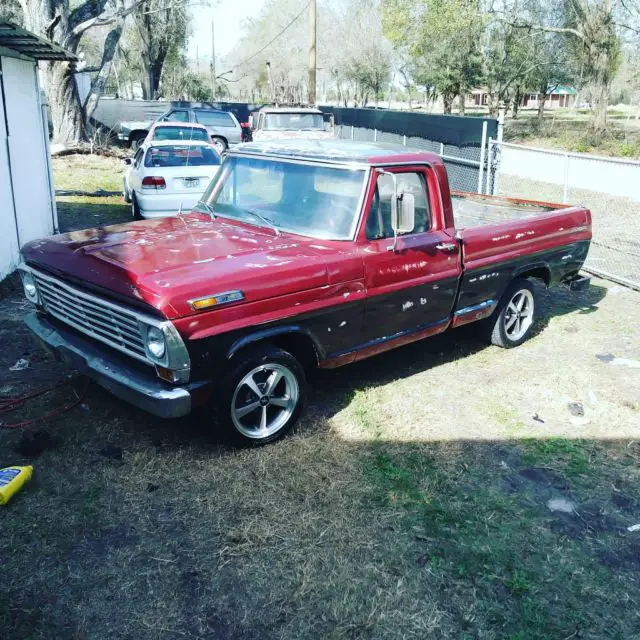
{"x": 11, "y": 403}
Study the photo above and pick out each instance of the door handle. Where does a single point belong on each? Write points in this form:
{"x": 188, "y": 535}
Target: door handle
{"x": 446, "y": 246}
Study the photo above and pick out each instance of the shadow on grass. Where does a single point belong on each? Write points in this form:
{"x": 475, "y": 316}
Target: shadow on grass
{"x": 318, "y": 536}
{"x": 75, "y": 213}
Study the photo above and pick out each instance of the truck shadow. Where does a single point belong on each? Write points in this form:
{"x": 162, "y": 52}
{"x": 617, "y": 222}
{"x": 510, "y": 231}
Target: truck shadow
{"x": 332, "y": 390}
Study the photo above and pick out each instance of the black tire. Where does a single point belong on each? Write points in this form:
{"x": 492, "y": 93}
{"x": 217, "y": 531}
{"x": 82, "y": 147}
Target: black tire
{"x": 221, "y": 144}
{"x": 235, "y": 395}
{"x": 136, "y": 140}
{"x": 135, "y": 208}
{"x": 125, "y": 192}
{"x": 501, "y": 325}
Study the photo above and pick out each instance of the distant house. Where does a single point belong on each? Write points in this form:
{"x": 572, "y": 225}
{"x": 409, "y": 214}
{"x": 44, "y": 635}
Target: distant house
{"x": 560, "y": 97}
{"x": 28, "y": 208}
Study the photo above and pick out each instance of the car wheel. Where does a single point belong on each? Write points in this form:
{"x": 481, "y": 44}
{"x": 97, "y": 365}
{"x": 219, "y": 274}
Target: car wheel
{"x": 262, "y": 398}
{"x": 136, "y": 141}
{"x": 135, "y": 208}
{"x": 220, "y": 144}
{"x": 125, "y": 192}
{"x": 511, "y": 323}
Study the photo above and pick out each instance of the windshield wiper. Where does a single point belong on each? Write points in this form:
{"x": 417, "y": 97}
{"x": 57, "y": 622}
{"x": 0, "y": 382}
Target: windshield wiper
{"x": 208, "y": 208}
{"x": 267, "y": 221}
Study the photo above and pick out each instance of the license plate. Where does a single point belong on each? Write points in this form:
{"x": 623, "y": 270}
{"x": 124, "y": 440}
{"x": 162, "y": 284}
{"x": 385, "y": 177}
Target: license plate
{"x": 191, "y": 182}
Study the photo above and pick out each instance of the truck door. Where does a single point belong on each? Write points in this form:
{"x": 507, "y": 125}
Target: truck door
{"x": 410, "y": 290}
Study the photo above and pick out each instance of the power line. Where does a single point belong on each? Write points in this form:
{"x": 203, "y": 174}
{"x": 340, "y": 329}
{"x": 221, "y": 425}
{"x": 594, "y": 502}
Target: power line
{"x": 257, "y": 53}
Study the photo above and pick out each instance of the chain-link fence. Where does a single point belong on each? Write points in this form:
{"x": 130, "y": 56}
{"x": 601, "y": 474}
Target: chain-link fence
{"x": 463, "y": 163}
{"x": 609, "y": 187}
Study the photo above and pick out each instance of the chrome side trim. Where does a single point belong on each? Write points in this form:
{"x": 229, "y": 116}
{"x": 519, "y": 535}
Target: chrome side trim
{"x": 475, "y": 307}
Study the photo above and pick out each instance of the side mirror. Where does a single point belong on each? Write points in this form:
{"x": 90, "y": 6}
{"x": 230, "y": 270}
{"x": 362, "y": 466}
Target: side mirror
{"x": 127, "y": 161}
{"x": 403, "y": 214}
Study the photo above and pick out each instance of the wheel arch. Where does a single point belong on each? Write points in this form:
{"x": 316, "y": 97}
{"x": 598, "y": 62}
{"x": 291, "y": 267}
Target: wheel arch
{"x": 299, "y": 342}
{"x": 539, "y": 271}
{"x": 137, "y": 134}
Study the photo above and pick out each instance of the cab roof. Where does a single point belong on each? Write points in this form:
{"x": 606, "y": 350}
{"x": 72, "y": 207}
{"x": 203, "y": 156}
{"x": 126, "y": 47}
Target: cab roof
{"x": 290, "y": 110}
{"x": 337, "y": 151}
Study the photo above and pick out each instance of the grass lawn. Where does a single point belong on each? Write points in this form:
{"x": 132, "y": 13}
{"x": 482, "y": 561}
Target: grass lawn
{"x": 415, "y": 500}
{"x": 570, "y": 131}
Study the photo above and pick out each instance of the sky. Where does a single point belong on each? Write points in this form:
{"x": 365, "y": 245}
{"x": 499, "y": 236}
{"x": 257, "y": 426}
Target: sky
{"x": 228, "y": 18}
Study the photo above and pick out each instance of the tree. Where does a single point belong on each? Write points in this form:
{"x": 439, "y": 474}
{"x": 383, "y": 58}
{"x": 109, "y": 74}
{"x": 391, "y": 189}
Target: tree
{"x": 160, "y": 28}
{"x": 57, "y": 21}
{"x": 590, "y": 29}
{"x": 443, "y": 39}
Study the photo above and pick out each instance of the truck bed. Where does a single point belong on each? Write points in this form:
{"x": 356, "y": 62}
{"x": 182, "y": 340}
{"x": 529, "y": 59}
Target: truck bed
{"x": 474, "y": 210}
{"x": 496, "y": 230}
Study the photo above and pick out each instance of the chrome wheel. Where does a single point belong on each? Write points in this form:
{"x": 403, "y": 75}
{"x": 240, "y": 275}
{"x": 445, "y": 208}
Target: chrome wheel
{"x": 518, "y": 316}
{"x": 264, "y": 400}
{"x": 220, "y": 145}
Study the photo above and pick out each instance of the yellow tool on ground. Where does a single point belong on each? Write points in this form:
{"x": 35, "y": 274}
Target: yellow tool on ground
{"x": 12, "y": 479}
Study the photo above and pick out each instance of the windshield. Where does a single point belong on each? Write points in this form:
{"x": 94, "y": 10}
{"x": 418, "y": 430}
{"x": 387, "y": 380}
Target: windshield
{"x": 293, "y": 121}
{"x": 181, "y": 156}
{"x": 316, "y": 201}
{"x": 180, "y": 133}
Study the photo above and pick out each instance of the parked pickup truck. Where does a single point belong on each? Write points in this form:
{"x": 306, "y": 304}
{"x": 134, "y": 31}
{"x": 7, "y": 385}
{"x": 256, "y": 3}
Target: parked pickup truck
{"x": 300, "y": 255}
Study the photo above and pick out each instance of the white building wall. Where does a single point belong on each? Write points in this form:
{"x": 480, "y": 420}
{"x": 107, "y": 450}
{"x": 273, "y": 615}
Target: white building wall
{"x": 8, "y": 237}
{"x": 29, "y": 163}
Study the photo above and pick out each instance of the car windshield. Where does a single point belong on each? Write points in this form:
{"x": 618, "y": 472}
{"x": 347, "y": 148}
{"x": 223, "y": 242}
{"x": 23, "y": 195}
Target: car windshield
{"x": 214, "y": 118}
{"x": 181, "y": 156}
{"x": 180, "y": 133}
{"x": 293, "y": 121}
{"x": 310, "y": 200}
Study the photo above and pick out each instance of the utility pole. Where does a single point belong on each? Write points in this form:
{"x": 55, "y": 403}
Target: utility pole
{"x": 273, "y": 88}
{"x": 312, "y": 52}
{"x": 213, "y": 63}
{"x": 197, "y": 61}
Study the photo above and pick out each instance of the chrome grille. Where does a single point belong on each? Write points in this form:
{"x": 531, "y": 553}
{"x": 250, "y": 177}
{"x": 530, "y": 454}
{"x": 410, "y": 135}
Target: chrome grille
{"x": 112, "y": 324}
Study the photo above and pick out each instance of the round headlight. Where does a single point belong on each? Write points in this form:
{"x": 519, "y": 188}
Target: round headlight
{"x": 156, "y": 343}
{"x": 29, "y": 285}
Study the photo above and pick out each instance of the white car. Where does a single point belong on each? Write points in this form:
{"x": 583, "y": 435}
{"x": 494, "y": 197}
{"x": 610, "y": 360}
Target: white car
{"x": 166, "y": 177}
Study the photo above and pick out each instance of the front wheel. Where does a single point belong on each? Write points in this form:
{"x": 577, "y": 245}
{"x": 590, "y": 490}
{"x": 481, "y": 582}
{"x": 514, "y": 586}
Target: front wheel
{"x": 511, "y": 323}
{"x": 263, "y": 396}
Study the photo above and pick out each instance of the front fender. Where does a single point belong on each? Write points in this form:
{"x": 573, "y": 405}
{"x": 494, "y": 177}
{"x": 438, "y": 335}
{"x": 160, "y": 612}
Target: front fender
{"x": 274, "y": 332}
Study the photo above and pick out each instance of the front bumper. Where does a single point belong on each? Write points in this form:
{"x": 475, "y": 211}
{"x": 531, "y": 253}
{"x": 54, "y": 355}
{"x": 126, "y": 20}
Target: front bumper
{"x": 115, "y": 373}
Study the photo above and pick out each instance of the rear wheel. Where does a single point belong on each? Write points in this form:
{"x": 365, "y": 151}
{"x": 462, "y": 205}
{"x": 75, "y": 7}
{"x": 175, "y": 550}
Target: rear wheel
{"x": 135, "y": 208}
{"x": 511, "y": 323}
{"x": 220, "y": 144}
{"x": 136, "y": 140}
{"x": 125, "y": 192}
{"x": 262, "y": 397}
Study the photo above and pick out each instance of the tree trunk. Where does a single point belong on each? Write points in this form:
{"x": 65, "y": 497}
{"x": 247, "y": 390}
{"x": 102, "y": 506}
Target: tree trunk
{"x": 462, "y": 96}
{"x": 516, "y": 103}
{"x": 60, "y": 87}
{"x": 493, "y": 104}
{"x": 601, "y": 91}
{"x": 542, "y": 99}
{"x": 100, "y": 81}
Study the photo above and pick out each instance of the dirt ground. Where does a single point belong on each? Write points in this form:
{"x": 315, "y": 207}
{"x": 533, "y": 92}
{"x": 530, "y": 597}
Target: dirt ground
{"x": 444, "y": 490}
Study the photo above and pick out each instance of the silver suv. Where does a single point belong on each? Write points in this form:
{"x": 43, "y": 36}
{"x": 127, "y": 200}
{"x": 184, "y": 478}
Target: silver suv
{"x": 223, "y": 126}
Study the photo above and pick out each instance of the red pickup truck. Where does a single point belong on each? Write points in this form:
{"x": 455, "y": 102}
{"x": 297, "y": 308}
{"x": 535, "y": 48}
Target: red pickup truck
{"x": 300, "y": 255}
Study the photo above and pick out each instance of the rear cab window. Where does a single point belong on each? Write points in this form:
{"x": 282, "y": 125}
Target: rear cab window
{"x": 214, "y": 118}
{"x": 180, "y": 133}
{"x": 181, "y": 156}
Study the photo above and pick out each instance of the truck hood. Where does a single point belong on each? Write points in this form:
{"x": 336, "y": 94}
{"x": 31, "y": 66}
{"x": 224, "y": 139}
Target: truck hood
{"x": 168, "y": 261}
